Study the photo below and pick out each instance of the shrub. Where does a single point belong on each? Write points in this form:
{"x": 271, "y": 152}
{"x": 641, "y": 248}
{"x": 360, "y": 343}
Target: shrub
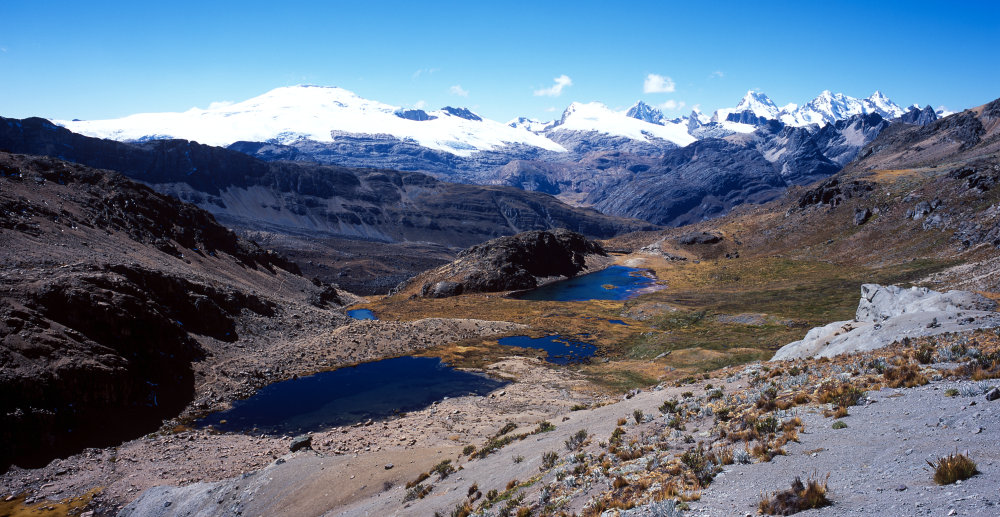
{"x": 715, "y": 394}
{"x": 952, "y": 468}
{"x": 548, "y": 460}
{"x": 669, "y": 406}
{"x": 637, "y": 415}
{"x": 796, "y": 499}
{"x": 443, "y": 469}
{"x": 510, "y": 426}
{"x": 905, "y": 376}
{"x": 842, "y": 395}
{"x": 418, "y": 491}
{"x": 543, "y": 427}
{"x": 578, "y": 407}
{"x": 742, "y": 456}
{"x": 468, "y": 450}
{"x": 839, "y": 424}
{"x": 951, "y": 392}
{"x": 576, "y": 440}
{"x": 518, "y": 459}
{"x": 420, "y": 479}
{"x": 924, "y": 354}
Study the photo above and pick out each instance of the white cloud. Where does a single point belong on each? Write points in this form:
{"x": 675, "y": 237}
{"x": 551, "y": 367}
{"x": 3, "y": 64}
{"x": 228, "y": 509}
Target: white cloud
{"x": 423, "y": 71}
{"x": 420, "y": 104}
{"x": 672, "y": 105}
{"x": 556, "y": 89}
{"x": 3, "y": 49}
{"x": 716, "y": 75}
{"x": 458, "y": 90}
{"x": 550, "y": 109}
{"x": 658, "y": 84}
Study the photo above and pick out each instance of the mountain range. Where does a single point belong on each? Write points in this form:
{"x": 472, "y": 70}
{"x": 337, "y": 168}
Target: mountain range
{"x": 635, "y": 163}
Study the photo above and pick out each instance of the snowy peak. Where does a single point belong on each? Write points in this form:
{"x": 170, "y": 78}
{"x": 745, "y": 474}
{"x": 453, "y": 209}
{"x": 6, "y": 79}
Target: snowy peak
{"x": 758, "y": 104}
{"x": 596, "y": 117}
{"x": 830, "y": 107}
{"x": 318, "y": 113}
{"x": 642, "y": 111}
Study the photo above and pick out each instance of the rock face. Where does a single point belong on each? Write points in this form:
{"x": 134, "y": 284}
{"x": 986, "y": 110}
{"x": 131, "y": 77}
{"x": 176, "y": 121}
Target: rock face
{"x": 102, "y": 312}
{"x": 890, "y": 313}
{"x": 510, "y": 263}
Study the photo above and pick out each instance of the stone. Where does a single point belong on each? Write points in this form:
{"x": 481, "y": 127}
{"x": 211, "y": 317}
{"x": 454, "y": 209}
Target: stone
{"x": 699, "y": 238}
{"x": 993, "y": 394}
{"x": 389, "y": 466}
{"x": 300, "y": 442}
{"x": 861, "y": 216}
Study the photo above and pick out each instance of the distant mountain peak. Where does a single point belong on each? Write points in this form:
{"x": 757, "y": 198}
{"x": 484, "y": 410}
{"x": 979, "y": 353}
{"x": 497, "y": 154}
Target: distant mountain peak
{"x": 642, "y": 111}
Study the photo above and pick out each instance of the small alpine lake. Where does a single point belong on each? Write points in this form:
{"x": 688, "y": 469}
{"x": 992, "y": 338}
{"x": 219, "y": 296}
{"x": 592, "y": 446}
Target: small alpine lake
{"x": 349, "y": 395}
{"x": 560, "y": 350}
{"x": 612, "y": 283}
{"x": 361, "y": 314}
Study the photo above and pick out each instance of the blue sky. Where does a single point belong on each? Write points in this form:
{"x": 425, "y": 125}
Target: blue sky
{"x": 97, "y": 59}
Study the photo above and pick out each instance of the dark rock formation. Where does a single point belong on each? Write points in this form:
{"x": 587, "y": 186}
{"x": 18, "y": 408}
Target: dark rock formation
{"x": 833, "y": 192}
{"x": 510, "y": 263}
{"x": 418, "y": 115}
{"x": 920, "y": 117}
{"x": 461, "y": 113}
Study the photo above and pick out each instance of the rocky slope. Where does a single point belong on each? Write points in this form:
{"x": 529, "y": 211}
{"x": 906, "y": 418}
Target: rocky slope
{"x": 114, "y": 297}
{"x": 509, "y": 263}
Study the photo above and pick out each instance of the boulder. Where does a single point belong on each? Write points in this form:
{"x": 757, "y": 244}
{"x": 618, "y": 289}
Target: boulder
{"x": 879, "y": 303}
{"x": 303, "y": 441}
{"x": 887, "y": 314}
{"x": 699, "y": 238}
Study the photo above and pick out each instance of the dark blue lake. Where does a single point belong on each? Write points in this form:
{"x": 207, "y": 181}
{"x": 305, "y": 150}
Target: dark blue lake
{"x": 362, "y": 314}
{"x": 613, "y": 283}
{"x": 560, "y": 350}
{"x": 349, "y": 395}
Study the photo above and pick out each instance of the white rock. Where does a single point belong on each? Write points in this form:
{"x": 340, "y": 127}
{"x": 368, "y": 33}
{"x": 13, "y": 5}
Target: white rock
{"x": 887, "y": 314}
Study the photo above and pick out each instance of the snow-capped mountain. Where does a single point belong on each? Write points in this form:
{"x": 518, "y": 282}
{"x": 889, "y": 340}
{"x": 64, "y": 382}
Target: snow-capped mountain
{"x": 288, "y": 114}
{"x": 303, "y": 116}
{"x": 830, "y": 107}
{"x": 594, "y": 116}
{"x": 756, "y": 108}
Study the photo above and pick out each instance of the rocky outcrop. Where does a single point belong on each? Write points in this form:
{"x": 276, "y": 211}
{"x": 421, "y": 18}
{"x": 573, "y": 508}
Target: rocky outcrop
{"x": 510, "y": 263}
{"x": 920, "y": 117}
{"x": 102, "y": 314}
{"x": 887, "y": 314}
{"x": 833, "y": 192}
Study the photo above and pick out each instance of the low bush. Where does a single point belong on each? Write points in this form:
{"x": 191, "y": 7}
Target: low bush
{"x": 952, "y": 468}
{"x": 799, "y": 497}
